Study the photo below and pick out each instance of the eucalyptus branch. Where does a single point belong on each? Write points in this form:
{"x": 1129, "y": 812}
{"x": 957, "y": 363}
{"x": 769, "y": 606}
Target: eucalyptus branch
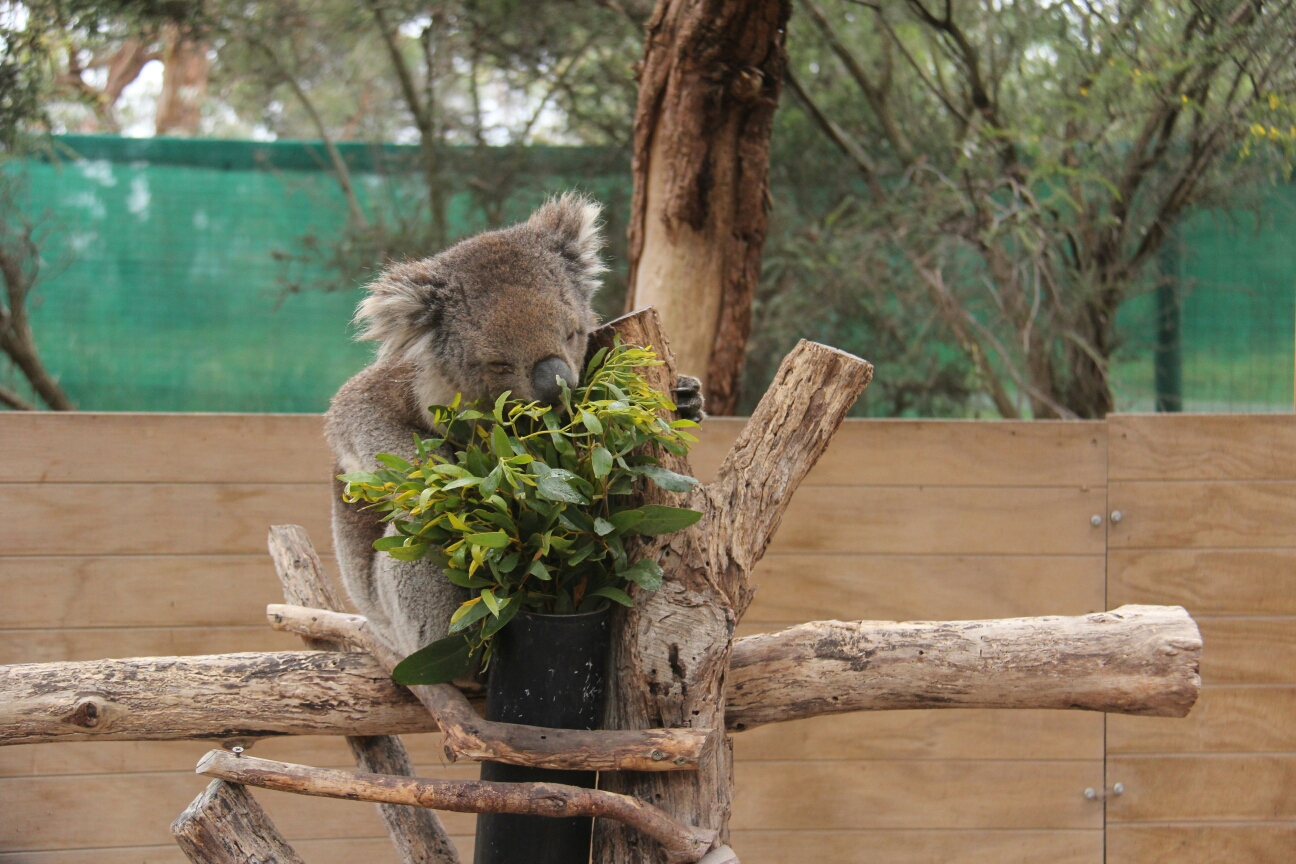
{"x": 14, "y": 401}
{"x": 848, "y": 145}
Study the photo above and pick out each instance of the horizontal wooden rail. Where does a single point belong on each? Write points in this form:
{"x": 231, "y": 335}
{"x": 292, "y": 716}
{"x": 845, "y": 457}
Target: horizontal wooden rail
{"x": 1132, "y": 660}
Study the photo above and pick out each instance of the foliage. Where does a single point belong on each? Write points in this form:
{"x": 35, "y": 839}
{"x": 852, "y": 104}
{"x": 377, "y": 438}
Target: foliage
{"x": 1018, "y": 165}
{"x": 533, "y": 509}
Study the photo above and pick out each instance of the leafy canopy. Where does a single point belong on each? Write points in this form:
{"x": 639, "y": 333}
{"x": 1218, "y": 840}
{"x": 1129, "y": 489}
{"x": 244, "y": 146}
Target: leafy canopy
{"x": 528, "y": 505}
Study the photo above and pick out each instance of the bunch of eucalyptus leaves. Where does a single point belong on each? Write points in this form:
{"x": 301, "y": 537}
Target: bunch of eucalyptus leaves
{"x": 528, "y": 505}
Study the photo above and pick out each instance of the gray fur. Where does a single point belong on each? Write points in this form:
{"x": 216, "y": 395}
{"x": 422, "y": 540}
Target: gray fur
{"x": 504, "y": 310}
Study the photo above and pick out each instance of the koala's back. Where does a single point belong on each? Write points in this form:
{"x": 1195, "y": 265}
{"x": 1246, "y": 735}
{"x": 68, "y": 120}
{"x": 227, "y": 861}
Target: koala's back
{"x": 374, "y": 412}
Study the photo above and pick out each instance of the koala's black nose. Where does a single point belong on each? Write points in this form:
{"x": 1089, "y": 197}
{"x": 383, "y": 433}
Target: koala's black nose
{"x": 545, "y": 375}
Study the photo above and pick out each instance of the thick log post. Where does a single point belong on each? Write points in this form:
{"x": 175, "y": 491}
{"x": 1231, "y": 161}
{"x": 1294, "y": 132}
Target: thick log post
{"x": 670, "y": 653}
{"x": 468, "y": 736}
{"x": 417, "y": 834}
{"x": 224, "y": 825}
{"x": 1132, "y": 660}
{"x": 682, "y": 842}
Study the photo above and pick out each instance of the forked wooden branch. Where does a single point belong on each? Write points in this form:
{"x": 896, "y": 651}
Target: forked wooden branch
{"x": 671, "y": 651}
{"x": 224, "y": 825}
{"x": 417, "y": 834}
{"x": 468, "y": 736}
{"x": 681, "y": 842}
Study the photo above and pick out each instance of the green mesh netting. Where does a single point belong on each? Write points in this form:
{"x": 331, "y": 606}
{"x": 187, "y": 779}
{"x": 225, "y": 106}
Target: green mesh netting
{"x": 164, "y": 288}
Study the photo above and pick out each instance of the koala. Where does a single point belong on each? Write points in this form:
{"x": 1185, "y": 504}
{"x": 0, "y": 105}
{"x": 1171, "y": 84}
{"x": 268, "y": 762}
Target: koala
{"x": 503, "y": 310}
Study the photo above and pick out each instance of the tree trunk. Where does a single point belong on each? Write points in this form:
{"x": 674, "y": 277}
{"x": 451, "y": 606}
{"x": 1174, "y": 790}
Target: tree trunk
{"x": 184, "y": 85}
{"x": 670, "y": 653}
{"x": 708, "y": 90}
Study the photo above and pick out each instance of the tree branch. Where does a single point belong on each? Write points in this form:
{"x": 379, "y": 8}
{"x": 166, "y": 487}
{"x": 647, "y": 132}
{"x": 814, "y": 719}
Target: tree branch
{"x": 468, "y": 736}
{"x": 848, "y": 145}
{"x": 224, "y": 825}
{"x": 681, "y": 842}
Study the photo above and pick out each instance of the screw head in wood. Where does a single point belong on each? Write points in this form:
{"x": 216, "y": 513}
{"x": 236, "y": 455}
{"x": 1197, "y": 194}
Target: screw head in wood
{"x": 1117, "y": 515}
{"x": 1095, "y": 520}
{"x": 1091, "y": 793}
{"x": 1118, "y": 789}
{"x": 657, "y": 755}
{"x": 237, "y": 751}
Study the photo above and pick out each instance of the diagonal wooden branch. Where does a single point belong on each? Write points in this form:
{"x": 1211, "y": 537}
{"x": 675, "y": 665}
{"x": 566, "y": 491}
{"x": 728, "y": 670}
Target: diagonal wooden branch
{"x": 682, "y": 842}
{"x": 418, "y": 835}
{"x": 468, "y": 736}
{"x": 224, "y": 825}
{"x": 670, "y": 653}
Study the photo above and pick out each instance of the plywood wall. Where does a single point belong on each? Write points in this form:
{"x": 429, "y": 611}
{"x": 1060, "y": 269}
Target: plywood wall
{"x": 126, "y": 535}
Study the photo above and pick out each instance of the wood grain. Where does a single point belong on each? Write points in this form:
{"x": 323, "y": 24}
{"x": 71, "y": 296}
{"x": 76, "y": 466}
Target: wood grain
{"x": 924, "y": 587}
{"x": 946, "y": 794}
{"x": 1202, "y": 514}
{"x": 156, "y": 519}
{"x": 1207, "y": 581}
{"x": 939, "y": 453}
{"x": 170, "y": 590}
{"x": 163, "y": 448}
{"x": 920, "y": 847}
{"x": 372, "y": 850}
{"x": 1249, "y": 650}
{"x": 927, "y": 735}
{"x": 939, "y": 520}
{"x": 1224, "y": 788}
{"x": 1224, "y": 720}
{"x": 1202, "y": 447}
{"x": 226, "y": 825}
{"x": 96, "y": 643}
{"x": 1201, "y": 844}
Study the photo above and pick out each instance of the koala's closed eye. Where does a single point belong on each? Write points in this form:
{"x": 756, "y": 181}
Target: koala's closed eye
{"x": 500, "y": 367}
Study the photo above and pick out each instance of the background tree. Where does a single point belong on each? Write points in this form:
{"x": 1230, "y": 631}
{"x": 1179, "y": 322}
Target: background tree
{"x": 1023, "y": 162}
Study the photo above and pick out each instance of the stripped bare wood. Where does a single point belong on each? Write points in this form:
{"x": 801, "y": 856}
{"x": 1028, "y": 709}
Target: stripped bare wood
{"x": 1138, "y": 660}
{"x": 468, "y": 736}
{"x": 1202, "y": 514}
{"x": 1202, "y": 447}
{"x": 681, "y": 842}
{"x": 224, "y": 825}
{"x": 1132, "y": 660}
{"x": 417, "y": 833}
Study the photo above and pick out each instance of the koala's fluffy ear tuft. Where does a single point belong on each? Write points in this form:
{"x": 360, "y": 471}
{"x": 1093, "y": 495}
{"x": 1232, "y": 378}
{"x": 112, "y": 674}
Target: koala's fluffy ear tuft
{"x": 569, "y": 225}
{"x": 403, "y": 307}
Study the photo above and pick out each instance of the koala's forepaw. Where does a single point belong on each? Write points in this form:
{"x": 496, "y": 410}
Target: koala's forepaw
{"x": 687, "y": 393}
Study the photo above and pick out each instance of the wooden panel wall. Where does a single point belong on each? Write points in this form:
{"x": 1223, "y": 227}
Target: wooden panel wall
{"x": 1208, "y": 507}
{"x": 129, "y": 535}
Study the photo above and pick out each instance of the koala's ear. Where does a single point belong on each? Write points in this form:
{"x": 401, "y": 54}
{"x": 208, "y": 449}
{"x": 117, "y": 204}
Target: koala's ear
{"x": 569, "y": 225}
{"x": 405, "y": 305}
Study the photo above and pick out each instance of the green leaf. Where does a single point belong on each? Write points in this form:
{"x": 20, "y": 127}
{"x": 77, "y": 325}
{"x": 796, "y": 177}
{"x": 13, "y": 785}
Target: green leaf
{"x": 365, "y": 477}
{"x": 613, "y": 594}
{"x": 601, "y": 461}
{"x": 591, "y": 422}
{"x": 499, "y": 407}
{"x": 665, "y": 520}
{"x": 394, "y": 462}
{"x": 500, "y": 442}
{"x": 475, "y": 612}
{"x": 488, "y": 597}
{"x": 538, "y": 570}
{"x": 666, "y": 479}
{"x": 595, "y": 361}
{"x": 442, "y": 661}
{"x": 408, "y": 553}
{"x": 508, "y": 609}
{"x": 556, "y": 486}
{"x": 463, "y": 580}
{"x": 645, "y": 573}
{"x": 626, "y": 519}
{"x": 493, "y": 539}
{"x": 507, "y": 563}
{"x": 603, "y": 527}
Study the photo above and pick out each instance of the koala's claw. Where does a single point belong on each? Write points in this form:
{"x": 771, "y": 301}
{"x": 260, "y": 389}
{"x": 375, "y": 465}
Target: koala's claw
{"x": 689, "y": 403}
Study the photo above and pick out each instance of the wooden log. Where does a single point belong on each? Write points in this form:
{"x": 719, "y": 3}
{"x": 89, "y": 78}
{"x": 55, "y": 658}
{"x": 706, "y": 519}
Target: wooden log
{"x": 682, "y": 843}
{"x": 224, "y": 825}
{"x": 417, "y": 833}
{"x": 1132, "y": 660}
{"x": 468, "y": 736}
{"x": 670, "y": 653}
{"x": 223, "y": 696}
{"x": 1097, "y": 662}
